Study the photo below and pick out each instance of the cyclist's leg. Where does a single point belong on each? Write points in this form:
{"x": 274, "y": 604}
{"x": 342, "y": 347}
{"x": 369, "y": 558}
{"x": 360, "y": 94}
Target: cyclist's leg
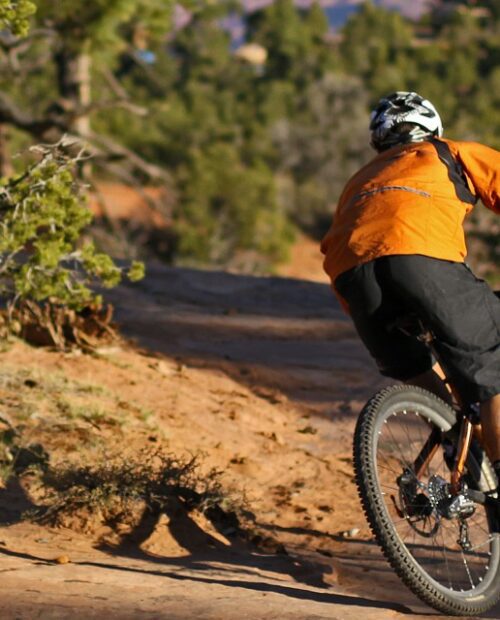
{"x": 373, "y": 310}
{"x": 432, "y": 380}
{"x": 464, "y": 314}
{"x": 490, "y": 421}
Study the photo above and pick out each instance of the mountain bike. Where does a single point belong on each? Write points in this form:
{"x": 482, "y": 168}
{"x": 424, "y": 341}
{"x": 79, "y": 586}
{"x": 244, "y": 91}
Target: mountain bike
{"x": 429, "y": 493}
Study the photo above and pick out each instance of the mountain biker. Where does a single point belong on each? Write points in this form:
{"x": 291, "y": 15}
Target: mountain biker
{"x": 396, "y": 244}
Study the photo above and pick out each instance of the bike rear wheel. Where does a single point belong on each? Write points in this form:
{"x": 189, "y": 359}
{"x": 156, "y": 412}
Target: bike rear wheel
{"x": 451, "y": 562}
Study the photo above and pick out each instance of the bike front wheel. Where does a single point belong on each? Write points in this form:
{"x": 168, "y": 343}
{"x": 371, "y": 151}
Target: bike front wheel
{"x": 447, "y": 554}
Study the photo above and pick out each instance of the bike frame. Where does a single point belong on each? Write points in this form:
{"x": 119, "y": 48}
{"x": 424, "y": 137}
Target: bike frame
{"x": 468, "y": 429}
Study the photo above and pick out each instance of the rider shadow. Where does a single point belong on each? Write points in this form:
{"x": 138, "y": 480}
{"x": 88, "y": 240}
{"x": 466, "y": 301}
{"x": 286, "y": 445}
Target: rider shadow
{"x": 363, "y": 563}
{"x": 14, "y": 502}
{"x": 290, "y": 591}
{"x": 236, "y": 558}
{"x": 196, "y": 548}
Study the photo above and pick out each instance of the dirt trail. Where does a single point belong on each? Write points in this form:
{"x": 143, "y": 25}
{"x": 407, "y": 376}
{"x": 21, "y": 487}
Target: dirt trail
{"x": 266, "y": 377}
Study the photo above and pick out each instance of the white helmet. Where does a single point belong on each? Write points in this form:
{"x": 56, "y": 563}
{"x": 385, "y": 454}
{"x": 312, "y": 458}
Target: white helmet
{"x": 401, "y": 118}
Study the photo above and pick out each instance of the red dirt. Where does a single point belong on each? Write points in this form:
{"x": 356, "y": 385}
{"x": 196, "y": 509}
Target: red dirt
{"x": 265, "y": 377}
{"x": 120, "y": 202}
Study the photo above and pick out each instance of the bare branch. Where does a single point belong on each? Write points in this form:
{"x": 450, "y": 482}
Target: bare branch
{"x": 106, "y": 105}
{"x": 13, "y": 115}
{"x": 9, "y": 42}
{"x": 114, "y": 84}
{"x": 57, "y": 122}
{"x": 113, "y": 150}
{"x": 24, "y": 68}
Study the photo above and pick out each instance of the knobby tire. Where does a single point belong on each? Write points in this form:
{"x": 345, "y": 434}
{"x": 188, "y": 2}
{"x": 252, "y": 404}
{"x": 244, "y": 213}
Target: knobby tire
{"x": 434, "y": 411}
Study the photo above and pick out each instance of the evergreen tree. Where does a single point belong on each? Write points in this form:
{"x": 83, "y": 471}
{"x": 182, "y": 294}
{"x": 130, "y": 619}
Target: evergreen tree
{"x": 14, "y": 16}
{"x": 322, "y": 147}
{"x": 43, "y": 214}
{"x": 377, "y": 46}
{"x": 284, "y": 135}
{"x": 280, "y": 30}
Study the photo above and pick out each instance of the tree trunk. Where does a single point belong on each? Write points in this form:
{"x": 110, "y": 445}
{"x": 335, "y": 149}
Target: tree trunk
{"x": 6, "y": 168}
{"x": 73, "y": 73}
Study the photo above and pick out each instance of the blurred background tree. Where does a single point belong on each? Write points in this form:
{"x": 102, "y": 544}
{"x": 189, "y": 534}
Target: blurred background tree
{"x": 46, "y": 272}
{"x": 253, "y": 130}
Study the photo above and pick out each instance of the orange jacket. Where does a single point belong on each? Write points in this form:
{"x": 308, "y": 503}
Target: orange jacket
{"x": 408, "y": 200}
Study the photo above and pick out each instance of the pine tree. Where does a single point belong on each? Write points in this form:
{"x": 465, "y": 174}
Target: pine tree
{"x": 14, "y": 16}
{"x": 377, "y": 46}
{"x": 43, "y": 213}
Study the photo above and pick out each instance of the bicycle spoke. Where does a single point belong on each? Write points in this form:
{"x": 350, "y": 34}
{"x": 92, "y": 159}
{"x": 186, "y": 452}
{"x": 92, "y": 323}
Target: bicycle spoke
{"x": 401, "y": 440}
{"x": 405, "y": 443}
{"x": 445, "y": 558}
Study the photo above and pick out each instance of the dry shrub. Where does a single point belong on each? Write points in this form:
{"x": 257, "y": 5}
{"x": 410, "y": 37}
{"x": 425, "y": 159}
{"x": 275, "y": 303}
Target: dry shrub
{"x": 54, "y": 325}
{"x": 122, "y": 488}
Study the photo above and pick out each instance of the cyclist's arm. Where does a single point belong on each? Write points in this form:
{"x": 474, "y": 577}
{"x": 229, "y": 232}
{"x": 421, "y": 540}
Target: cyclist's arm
{"x": 482, "y": 167}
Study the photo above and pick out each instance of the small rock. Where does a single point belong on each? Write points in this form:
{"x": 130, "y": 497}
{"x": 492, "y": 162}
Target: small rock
{"x": 73, "y": 353}
{"x": 268, "y": 544}
{"x": 238, "y": 460}
{"x": 108, "y": 350}
{"x": 163, "y": 368}
{"x": 352, "y": 533}
{"x": 273, "y": 437}
{"x": 308, "y": 430}
{"x": 62, "y": 559}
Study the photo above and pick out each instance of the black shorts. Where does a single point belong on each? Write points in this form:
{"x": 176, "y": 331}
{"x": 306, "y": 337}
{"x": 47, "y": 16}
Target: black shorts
{"x": 460, "y": 309}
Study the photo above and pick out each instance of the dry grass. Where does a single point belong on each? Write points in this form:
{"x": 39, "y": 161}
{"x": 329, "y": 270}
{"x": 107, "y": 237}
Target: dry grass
{"x": 56, "y": 438}
{"x": 119, "y": 489}
{"x": 42, "y": 404}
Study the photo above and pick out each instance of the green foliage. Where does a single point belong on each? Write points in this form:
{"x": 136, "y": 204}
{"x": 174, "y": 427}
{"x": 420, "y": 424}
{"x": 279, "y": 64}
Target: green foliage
{"x": 322, "y": 147}
{"x": 100, "y": 22}
{"x": 254, "y": 150}
{"x": 451, "y": 58}
{"x": 376, "y": 46}
{"x": 227, "y": 209}
{"x": 136, "y": 271}
{"x": 15, "y": 15}
{"x": 295, "y": 41}
{"x": 43, "y": 215}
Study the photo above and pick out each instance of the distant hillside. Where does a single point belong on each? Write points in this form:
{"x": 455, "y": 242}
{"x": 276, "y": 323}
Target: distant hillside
{"x": 339, "y": 10}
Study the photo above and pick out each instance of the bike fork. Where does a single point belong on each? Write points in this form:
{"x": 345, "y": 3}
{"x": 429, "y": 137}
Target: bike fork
{"x": 432, "y": 444}
{"x": 464, "y": 441}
